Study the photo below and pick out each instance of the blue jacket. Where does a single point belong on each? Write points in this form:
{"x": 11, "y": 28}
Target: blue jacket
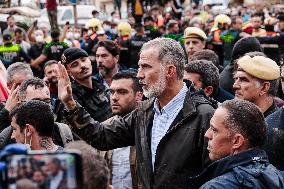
{"x": 250, "y": 169}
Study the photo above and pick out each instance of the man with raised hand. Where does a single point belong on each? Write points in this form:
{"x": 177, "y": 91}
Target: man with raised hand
{"x": 168, "y": 129}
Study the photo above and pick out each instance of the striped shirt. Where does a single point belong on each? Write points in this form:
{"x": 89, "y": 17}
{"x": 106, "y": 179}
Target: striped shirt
{"x": 163, "y": 119}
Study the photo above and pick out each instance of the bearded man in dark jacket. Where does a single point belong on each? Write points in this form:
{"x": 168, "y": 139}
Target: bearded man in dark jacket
{"x": 167, "y": 130}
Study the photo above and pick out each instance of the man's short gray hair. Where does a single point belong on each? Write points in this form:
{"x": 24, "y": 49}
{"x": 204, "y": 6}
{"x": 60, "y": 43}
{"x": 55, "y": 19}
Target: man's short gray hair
{"x": 16, "y": 68}
{"x": 170, "y": 52}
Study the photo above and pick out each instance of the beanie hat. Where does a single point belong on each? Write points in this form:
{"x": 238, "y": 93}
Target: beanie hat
{"x": 245, "y": 45}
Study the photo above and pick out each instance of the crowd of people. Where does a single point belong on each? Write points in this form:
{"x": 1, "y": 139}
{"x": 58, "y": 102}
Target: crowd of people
{"x": 173, "y": 98}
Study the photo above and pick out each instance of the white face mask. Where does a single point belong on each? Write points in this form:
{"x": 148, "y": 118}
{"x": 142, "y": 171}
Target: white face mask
{"x": 39, "y": 38}
{"x": 69, "y": 35}
{"x": 107, "y": 27}
{"x": 90, "y": 32}
{"x": 168, "y": 9}
{"x": 30, "y": 142}
{"x": 77, "y": 35}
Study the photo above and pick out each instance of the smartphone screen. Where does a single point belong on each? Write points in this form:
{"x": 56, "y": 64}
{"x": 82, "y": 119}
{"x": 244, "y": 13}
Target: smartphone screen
{"x": 47, "y": 171}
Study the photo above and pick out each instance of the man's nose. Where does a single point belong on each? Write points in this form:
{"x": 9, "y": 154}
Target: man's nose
{"x": 207, "y": 133}
{"x": 140, "y": 74}
{"x": 236, "y": 85}
{"x": 114, "y": 97}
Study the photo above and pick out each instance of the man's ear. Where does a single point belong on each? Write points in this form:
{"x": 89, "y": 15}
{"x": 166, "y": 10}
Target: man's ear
{"x": 29, "y": 129}
{"x": 238, "y": 142}
{"x": 172, "y": 71}
{"x": 208, "y": 90}
{"x": 116, "y": 58}
{"x": 203, "y": 44}
{"x": 109, "y": 187}
{"x": 264, "y": 88}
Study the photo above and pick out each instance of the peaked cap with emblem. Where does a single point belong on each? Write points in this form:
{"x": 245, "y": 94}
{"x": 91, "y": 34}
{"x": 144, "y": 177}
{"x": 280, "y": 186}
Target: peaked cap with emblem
{"x": 71, "y": 54}
{"x": 259, "y": 67}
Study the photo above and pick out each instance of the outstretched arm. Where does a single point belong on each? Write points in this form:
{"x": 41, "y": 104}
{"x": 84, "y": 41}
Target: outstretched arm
{"x": 104, "y": 136}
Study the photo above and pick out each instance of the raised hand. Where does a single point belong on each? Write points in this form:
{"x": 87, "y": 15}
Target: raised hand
{"x": 64, "y": 88}
{"x": 13, "y": 98}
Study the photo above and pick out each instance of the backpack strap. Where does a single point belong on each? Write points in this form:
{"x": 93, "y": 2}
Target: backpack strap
{"x": 65, "y": 133}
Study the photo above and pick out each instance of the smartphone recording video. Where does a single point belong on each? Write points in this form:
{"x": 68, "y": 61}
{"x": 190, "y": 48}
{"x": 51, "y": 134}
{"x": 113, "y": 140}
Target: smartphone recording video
{"x": 45, "y": 171}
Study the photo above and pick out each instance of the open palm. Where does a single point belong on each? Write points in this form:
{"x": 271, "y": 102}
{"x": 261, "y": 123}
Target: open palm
{"x": 64, "y": 85}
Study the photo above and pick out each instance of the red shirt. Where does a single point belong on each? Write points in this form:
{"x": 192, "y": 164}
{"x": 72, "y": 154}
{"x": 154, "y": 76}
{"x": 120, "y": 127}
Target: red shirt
{"x": 3, "y": 91}
{"x": 51, "y": 4}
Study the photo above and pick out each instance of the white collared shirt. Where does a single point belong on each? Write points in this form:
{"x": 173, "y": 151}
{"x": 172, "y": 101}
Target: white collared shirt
{"x": 164, "y": 118}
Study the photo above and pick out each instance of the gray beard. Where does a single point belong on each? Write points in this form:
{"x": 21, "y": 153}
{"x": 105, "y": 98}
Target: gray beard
{"x": 157, "y": 88}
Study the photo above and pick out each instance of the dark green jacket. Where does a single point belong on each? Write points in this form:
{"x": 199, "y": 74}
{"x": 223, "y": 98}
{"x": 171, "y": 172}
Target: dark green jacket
{"x": 95, "y": 101}
{"x": 181, "y": 153}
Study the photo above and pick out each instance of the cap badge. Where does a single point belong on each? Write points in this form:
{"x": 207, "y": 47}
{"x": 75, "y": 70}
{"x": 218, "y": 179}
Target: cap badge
{"x": 63, "y": 59}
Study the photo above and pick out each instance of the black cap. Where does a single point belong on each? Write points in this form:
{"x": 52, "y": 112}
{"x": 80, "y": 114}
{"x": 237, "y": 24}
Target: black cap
{"x": 7, "y": 37}
{"x": 281, "y": 17}
{"x": 245, "y": 45}
{"x": 138, "y": 26}
{"x": 72, "y": 54}
{"x": 149, "y": 18}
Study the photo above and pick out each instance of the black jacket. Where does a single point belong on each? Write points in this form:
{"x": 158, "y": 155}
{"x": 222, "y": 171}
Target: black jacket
{"x": 227, "y": 78}
{"x": 95, "y": 100}
{"x": 135, "y": 44}
{"x": 222, "y": 95}
{"x": 275, "y": 138}
{"x": 250, "y": 169}
{"x": 180, "y": 154}
{"x": 279, "y": 40}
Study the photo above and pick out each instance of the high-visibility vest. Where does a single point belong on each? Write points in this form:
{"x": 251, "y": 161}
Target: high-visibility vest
{"x": 216, "y": 37}
{"x": 12, "y": 48}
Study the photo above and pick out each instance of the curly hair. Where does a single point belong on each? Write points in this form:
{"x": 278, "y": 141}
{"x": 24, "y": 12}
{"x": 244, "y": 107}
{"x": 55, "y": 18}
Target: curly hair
{"x": 36, "y": 113}
{"x": 206, "y": 54}
{"x": 38, "y": 83}
{"x": 209, "y": 73}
